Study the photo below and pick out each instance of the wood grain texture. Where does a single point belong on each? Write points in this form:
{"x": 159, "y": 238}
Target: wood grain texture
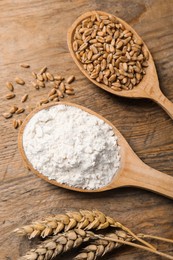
{"x": 34, "y": 31}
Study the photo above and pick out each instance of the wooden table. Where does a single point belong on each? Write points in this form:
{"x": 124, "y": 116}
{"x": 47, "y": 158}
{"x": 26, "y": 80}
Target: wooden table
{"x": 34, "y": 31}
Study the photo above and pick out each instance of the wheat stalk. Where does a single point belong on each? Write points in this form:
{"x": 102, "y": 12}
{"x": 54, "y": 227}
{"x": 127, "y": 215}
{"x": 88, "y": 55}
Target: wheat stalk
{"x": 58, "y": 244}
{"x": 84, "y": 219}
{"x": 156, "y": 238}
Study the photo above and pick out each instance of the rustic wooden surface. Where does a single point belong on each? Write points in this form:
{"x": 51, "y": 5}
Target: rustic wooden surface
{"x": 34, "y": 31}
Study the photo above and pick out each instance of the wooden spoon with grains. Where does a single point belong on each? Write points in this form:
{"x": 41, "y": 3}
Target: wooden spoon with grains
{"x": 112, "y": 55}
{"x": 132, "y": 171}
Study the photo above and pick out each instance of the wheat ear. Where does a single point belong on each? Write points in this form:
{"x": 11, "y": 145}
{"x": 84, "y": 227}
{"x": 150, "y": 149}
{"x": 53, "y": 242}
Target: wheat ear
{"x": 53, "y": 225}
{"x": 58, "y": 244}
{"x": 107, "y": 243}
{"x": 133, "y": 245}
{"x": 84, "y": 219}
{"x": 100, "y": 247}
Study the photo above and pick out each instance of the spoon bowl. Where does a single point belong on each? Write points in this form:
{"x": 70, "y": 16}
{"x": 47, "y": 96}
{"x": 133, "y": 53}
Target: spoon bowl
{"x": 148, "y": 87}
{"x": 132, "y": 171}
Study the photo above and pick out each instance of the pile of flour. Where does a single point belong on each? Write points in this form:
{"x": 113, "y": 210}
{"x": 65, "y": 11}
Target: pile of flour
{"x": 71, "y": 146}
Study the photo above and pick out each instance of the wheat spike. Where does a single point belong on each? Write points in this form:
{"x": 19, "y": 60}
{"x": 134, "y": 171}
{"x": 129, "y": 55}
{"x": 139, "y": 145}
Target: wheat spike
{"x": 101, "y": 247}
{"x": 84, "y": 219}
{"x": 110, "y": 240}
{"x": 58, "y": 244}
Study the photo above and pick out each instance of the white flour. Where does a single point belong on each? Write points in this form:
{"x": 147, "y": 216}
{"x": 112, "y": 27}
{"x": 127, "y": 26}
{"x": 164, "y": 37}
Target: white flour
{"x": 71, "y": 146}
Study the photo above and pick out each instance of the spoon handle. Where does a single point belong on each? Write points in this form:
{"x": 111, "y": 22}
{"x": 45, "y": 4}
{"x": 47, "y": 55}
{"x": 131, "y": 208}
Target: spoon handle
{"x": 142, "y": 176}
{"x": 164, "y": 102}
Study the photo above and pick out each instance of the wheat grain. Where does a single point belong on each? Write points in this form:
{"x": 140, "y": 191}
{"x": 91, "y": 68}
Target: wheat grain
{"x": 58, "y": 77}
{"x": 60, "y": 94}
{"x": 44, "y": 101}
{"x": 53, "y": 96}
{"x": 45, "y": 77}
{"x": 35, "y": 85}
{"x": 52, "y": 92}
{"x": 24, "y": 65}
{"x": 24, "y": 98}
{"x": 9, "y": 85}
{"x": 19, "y": 81}
{"x": 10, "y": 96}
{"x": 7, "y": 115}
{"x": 43, "y": 70}
{"x": 58, "y": 91}
{"x": 62, "y": 87}
{"x": 40, "y": 77}
{"x": 34, "y": 75}
{"x": 56, "y": 84}
{"x": 56, "y": 99}
{"x": 69, "y": 88}
{"x": 13, "y": 109}
{"x": 49, "y": 76}
{"x": 70, "y": 79}
{"x": 19, "y": 121}
{"x": 15, "y": 124}
{"x": 69, "y": 92}
{"x": 40, "y": 83}
{"x": 20, "y": 110}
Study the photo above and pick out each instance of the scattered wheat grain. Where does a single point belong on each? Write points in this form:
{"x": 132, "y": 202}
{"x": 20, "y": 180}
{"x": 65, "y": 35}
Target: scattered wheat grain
{"x": 34, "y": 75}
{"x": 70, "y": 79}
{"x": 9, "y": 85}
{"x": 24, "y": 98}
{"x": 7, "y": 115}
{"x": 10, "y": 96}
{"x": 43, "y": 70}
{"x": 13, "y": 109}
{"x": 24, "y": 65}
{"x": 20, "y": 110}
{"x": 19, "y": 81}
{"x": 15, "y": 124}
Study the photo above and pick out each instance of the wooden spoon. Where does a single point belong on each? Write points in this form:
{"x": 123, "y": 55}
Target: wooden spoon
{"x": 149, "y": 85}
{"x": 132, "y": 171}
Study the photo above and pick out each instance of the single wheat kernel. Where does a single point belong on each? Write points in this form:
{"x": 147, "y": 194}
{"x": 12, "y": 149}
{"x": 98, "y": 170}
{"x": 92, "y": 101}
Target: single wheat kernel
{"x": 9, "y": 85}
{"x": 19, "y": 81}
{"x": 24, "y": 98}
{"x": 10, "y": 96}
{"x": 7, "y": 115}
